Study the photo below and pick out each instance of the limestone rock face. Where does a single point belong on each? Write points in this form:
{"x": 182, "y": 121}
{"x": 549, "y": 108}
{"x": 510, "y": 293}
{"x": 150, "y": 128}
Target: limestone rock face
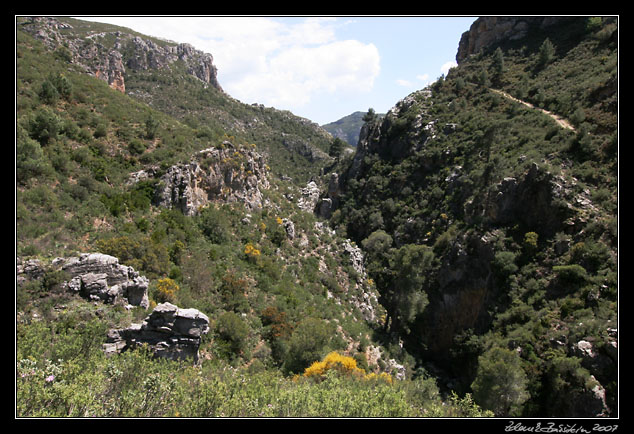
{"x": 309, "y": 197}
{"x": 489, "y": 30}
{"x": 100, "y": 277}
{"x": 169, "y": 331}
{"x": 95, "y": 276}
{"x": 108, "y": 61}
{"x": 226, "y": 174}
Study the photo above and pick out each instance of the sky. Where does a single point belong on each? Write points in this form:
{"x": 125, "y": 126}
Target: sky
{"x": 319, "y": 68}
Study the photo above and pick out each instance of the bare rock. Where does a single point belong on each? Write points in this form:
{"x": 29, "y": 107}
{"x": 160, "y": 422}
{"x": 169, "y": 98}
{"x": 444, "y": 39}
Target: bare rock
{"x": 215, "y": 174}
{"x": 489, "y": 30}
{"x": 169, "y": 331}
{"x": 100, "y": 277}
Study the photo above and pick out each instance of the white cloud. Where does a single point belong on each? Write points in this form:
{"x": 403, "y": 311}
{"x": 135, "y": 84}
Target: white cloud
{"x": 291, "y": 77}
{"x": 423, "y": 77}
{"x": 272, "y": 62}
{"x": 447, "y": 66}
{"x": 300, "y": 68}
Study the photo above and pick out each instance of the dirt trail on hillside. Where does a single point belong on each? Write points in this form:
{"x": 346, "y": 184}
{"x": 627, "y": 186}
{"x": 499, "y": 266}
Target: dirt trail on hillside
{"x": 561, "y": 121}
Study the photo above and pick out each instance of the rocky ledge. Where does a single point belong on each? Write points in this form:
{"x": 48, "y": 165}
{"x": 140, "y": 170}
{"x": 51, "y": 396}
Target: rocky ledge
{"x": 94, "y": 276}
{"x": 169, "y": 332}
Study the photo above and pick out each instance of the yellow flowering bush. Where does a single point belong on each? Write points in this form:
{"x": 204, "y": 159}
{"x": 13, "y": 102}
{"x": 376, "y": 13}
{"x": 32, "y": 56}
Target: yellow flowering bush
{"x": 383, "y": 376}
{"x": 345, "y": 365}
{"x": 334, "y": 360}
{"x": 251, "y": 251}
{"x": 166, "y": 290}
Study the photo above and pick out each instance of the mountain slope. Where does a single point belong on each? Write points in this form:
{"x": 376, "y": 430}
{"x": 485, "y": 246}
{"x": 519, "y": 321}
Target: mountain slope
{"x": 508, "y": 217}
{"x": 125, "y": 148}
{"x": 472, "y": 270}
{"x": 180, "y": 81}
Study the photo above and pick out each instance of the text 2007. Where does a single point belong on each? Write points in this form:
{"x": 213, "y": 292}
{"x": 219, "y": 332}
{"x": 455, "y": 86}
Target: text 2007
{"x": 606, "y": 428}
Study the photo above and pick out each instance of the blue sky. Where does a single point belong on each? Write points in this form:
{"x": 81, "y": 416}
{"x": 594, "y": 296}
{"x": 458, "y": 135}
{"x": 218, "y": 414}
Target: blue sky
{"x": 320, "y": 68}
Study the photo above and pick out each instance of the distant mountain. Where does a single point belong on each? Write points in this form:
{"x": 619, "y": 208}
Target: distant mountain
{"x": 347, "y": 128}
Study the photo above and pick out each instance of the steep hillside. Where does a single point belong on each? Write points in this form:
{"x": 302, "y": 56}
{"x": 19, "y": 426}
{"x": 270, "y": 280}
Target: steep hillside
{"x": 168, "y": 264}
{"x": 489, "y": 228}
{"x": 170, "y": 261}
{"x": 181, "y": 82}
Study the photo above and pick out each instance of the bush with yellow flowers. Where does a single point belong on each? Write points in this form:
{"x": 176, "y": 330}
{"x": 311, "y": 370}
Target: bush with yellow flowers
{"x": 344, "y": 365}
{"x": 251, "y": 251}
{"x": 166, "y": 290}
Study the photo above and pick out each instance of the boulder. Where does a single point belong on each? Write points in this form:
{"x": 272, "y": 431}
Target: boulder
{"x": 95, "y": 276}
{"x": 169, "y": 332}
{"x": 100, "y": 277}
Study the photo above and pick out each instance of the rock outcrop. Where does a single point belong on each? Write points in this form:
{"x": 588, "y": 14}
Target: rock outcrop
{"x": 100, "y": 277}
{"x": 534, "y": 200}
{"x": 94, "y": 276}
{"x": 108, "y": 61}
{"x": 486, "y": 31}
{"x": 169, "y": 332}
{"x": 226, "y": 174}
{"x": 309, "y": 197}
{"x": 396, "y": 135}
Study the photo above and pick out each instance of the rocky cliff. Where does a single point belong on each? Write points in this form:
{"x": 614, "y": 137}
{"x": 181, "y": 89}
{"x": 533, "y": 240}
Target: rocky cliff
{"x": 226, "y": 173}
{"x": 486, "y": 31}
{"x": 107, "y": 55}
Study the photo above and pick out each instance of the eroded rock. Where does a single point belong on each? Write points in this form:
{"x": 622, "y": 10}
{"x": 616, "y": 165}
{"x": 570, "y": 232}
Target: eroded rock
{"x": 100, "y": 277}
{"x": 227, "y": 174}
{"x": 169, "y": 332}
{"x": 95, "y": 276}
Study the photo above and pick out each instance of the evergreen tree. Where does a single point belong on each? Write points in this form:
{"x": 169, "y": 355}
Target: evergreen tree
{"x": 370, "y": 116}
{"x": 500, "y": 383}
{"x": 498, "y": 64}
{"x": 546, "y": 53}
{"x": 405, "y": 297}
{"x": 336, "y": 148}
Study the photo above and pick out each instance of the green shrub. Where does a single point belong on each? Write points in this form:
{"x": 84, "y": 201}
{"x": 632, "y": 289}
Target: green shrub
{"x": 234, "y": 331}
{"x": 212, "y": 222}
{"x": 30, "y": 161}
{"x": 44, "y": 126}
{"x": 312, "y": 339}
{"x": 136, "y": 147}
{"x": 504, "y": 263}
{"x": 500, "y": 383}
{"x": 571, "y": 274}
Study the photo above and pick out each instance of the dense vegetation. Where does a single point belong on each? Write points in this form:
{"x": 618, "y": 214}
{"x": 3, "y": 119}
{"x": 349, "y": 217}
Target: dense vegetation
{"x": 276, "y": 304}
{"x": 287, "y": 337}
{"x": 478, "y": 272}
